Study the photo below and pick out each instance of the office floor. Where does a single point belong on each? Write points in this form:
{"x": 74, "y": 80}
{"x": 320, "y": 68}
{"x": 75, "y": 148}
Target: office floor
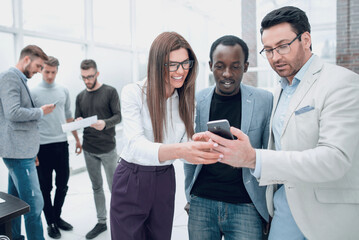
{"x": 79, "y": 209}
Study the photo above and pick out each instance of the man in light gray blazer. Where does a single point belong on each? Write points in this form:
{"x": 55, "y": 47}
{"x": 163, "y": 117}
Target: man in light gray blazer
{"x": 314, "y": 145}
{"x": 19, "y": 138}
{"x": 220, "y": 191}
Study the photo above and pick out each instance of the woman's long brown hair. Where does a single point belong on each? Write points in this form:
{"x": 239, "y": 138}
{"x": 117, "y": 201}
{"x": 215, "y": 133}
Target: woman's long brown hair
{"x": 157, "y": 74}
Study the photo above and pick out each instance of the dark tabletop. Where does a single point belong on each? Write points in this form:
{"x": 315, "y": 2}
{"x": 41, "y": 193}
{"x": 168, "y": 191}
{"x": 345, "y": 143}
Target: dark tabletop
{"x": 12, "y": 207}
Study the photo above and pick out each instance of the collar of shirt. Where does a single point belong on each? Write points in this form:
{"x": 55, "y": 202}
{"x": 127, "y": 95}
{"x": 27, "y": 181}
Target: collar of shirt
{"x": 19, "y": 73}
{"x": 174, "y": 94}
{"x": 44, "y": 84}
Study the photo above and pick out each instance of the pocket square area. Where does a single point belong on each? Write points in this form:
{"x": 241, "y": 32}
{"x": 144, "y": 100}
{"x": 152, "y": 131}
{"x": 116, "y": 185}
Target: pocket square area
{"x": 304, "y": 110}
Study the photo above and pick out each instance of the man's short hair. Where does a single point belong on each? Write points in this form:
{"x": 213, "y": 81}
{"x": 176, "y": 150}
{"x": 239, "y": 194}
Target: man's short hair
{"x": 53, "y": 62}
{"x": 292, "y": 15}
{"x": 229, "y": 40}
{"x": 33, "y": 51}
{"x": 87, "y": 64}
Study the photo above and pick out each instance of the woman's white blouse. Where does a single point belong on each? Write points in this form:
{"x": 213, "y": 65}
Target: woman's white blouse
{"x": 140, "y": 147}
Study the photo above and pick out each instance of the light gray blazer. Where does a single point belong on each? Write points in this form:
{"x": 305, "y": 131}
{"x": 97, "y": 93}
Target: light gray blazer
{"x": 19, "y": 137}
{"x": 256, "y": 110}
{"x": 319, "y": 164}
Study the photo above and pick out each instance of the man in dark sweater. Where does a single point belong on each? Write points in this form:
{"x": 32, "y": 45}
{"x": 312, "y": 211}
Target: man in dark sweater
{"x": 99, "y": 143}
{"x": 226, "y": 201}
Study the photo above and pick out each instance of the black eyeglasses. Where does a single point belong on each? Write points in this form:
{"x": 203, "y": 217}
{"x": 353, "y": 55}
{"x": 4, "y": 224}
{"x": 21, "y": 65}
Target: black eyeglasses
{"x": 173, "y": 66}
{"x": 89, "y": 77}
{"x": 281, "y": 49}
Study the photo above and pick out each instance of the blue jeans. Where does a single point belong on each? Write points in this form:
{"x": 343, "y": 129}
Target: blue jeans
{"x": 210, "y": 220}
{"x": 24, "y": 184}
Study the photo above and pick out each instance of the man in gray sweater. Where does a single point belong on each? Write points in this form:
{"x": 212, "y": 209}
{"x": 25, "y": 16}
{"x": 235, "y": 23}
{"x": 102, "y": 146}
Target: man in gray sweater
{"x": 54, "y": 153}
{"x": 99, "y": 143}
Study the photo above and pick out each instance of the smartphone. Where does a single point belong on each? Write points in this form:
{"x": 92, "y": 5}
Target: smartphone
{"x": 221, "y": 128}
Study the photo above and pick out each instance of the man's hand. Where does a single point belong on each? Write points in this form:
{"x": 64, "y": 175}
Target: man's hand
{"x": 37, "y": 163}
{"x": 236, "y": 153}
{"x": 99, "y": 125}
{"x": 48, "y": 108}
{"x": 78, "y": 148}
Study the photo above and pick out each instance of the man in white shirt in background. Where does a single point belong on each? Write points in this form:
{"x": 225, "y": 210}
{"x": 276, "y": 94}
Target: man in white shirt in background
{"x": 54, "y": 153}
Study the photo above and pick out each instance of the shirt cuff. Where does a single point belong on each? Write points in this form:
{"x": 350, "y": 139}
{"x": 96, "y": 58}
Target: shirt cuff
{"x": 258, "y": 169}
{"x": 42, "y": 112}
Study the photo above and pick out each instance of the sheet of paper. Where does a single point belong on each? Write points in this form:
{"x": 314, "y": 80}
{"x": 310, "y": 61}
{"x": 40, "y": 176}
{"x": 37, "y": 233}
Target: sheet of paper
{"x": 68, "y": 127}
{"x": 2, "y": 200}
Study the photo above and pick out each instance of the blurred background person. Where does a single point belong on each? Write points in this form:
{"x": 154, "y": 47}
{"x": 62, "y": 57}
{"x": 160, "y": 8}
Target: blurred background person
{"x": 53, "y": 155}
{"x": 19, "y": 138}
{"x": 99, "y": 143}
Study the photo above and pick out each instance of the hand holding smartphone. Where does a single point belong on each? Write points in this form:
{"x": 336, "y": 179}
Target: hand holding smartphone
{"x": 221, "y": 128}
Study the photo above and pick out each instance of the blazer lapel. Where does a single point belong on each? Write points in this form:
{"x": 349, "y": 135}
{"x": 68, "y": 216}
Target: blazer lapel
{"x": 205, "y": 105}
{"x": 24, "y": 83}
{"x": 277, "y": 94}
{"x": 306, "y": 83}
{"x": 247, "y": 108}
{"x": 28, "y": 91}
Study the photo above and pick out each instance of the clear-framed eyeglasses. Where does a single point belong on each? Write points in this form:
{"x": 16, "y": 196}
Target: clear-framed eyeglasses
{"x": 89, "y": 77}
{"x": 281, "y": 49}
{"x": 173, "y": 66}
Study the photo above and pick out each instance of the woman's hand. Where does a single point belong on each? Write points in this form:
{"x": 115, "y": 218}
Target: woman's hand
{"x": 199, "y": 152}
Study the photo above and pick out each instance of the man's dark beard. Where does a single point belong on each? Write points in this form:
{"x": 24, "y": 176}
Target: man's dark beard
{"x": 93, "y": 85}
{"x": 27, "y": 72}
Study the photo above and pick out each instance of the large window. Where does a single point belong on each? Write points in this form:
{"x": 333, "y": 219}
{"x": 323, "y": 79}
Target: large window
{"x": 112, "y": 22}
{"x": 6, "y": 17}
{"x": 118, "y": 33}
{"x": 150, "y": 20}
{"x": 7, "y": 51}
{"x": 114, "y": 66}
{"x": 62, "y": 18}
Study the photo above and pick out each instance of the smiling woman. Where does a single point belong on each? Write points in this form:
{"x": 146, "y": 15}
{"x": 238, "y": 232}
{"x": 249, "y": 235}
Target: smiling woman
{"x": 158, "y": 118}
{"x": 178, "y": 67}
